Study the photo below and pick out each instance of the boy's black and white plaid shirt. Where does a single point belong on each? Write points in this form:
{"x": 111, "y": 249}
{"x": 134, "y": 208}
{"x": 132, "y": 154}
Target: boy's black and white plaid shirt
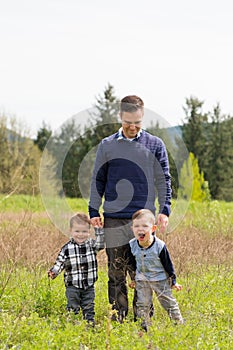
{"x": 79, "y": 261}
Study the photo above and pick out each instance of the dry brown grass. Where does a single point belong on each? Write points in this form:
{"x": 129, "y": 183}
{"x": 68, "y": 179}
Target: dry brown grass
{"x": 30, "y": 239}
{"x": 190, "y": 248}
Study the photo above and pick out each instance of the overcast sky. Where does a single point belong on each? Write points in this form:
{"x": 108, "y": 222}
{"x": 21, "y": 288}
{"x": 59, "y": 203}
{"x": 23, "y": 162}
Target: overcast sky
{"x": 58, "y": 55}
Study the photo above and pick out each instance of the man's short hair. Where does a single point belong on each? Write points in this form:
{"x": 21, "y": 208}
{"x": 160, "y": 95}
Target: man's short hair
{"x": 131, "y": 103}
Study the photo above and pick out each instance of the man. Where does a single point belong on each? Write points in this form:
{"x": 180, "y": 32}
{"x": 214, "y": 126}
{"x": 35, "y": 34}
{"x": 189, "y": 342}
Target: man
{"x": 129, "y": 165}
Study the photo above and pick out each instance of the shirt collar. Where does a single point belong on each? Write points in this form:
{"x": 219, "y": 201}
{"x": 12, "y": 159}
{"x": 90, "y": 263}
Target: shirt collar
{"x": 121, "y": 136}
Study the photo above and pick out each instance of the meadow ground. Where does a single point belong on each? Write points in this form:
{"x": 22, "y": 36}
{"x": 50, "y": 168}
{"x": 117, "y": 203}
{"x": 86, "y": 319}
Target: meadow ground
{"x": 32, "y": 308}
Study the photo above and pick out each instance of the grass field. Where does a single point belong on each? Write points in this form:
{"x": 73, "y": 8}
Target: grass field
{"x": 32, "y": 308}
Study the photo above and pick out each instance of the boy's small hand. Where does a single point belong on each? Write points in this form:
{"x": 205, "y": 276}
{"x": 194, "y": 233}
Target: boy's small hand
{"x": 132, "y": 284}
{"x": 177, "y": 286}
{"x": 51, "y": 274}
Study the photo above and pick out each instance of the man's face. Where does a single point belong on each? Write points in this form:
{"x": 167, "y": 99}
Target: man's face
{"x": 131, "y": 123}
{"x": 80, "y": 232}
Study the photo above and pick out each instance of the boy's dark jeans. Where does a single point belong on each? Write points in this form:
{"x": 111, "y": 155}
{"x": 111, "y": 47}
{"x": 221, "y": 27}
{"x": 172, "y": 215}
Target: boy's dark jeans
{"x": 81, "y": 298}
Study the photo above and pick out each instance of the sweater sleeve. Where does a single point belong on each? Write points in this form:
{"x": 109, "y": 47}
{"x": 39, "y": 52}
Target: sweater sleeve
{"x": 163, "y": 180}
{"x": 167, "y": 264}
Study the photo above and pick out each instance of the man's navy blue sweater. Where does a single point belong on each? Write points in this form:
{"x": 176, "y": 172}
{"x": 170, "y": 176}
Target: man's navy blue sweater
{"x": 126, "y": 173}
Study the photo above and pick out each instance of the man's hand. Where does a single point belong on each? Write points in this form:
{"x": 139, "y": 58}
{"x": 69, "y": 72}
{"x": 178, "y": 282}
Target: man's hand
{"x": 162, "y": 222}
{"x": 97, "y": 222}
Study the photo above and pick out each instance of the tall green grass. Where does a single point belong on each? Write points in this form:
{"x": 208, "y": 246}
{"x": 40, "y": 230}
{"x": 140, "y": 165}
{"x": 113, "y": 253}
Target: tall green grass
{"x": 33, "y": 309}
{"x": 33, "y": 315}
{"x": 18, "y": 203}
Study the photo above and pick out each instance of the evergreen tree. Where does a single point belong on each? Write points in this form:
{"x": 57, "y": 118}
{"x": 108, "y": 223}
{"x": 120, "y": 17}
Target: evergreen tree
{"x": 192, "y": 184}
{"x": 194, "y": 130}
{"x": 220, "y": 156}
{"x": 227, "y": 185}
{"x": 104, "y": 120}
{"x": 43, "y": 135}
{"x": 66, "y": 149}
{"x": 73, "y": 148}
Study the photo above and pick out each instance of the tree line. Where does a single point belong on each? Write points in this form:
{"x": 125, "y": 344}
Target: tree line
{"x": 207, "y": 136}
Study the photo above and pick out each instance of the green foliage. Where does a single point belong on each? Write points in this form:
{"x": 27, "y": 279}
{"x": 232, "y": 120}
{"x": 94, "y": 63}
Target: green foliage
{"x": 192, "y": 183}
{"x": 73, "y": 147}
{"x": 194, "y": 129}
{"x": 26, "y": 203}
{"x": 212, "y": 144}
{"x": 105, "y": 118}
{"x": 43, "y": 135}
{"x": 19, "y": 159}
{"x": 29, "y": 319}
{"x": 33, "y": 309}
{"x": 220, "y": 156}
{"x": 210, "y": 217}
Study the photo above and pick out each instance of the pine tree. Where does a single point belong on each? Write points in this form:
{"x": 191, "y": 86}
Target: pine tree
{"x": 220, "y": 155}
{"x": 105, "y": 118}
{"x": 194, "y": 130}
{"x": 192, "y": 185}
{"x": 43, "y": 135}
{"x": 66, "y": 148}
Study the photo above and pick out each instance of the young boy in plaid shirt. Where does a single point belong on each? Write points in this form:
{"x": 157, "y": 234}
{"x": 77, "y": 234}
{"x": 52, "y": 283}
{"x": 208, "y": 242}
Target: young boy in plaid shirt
{"x": 78, "y": 260}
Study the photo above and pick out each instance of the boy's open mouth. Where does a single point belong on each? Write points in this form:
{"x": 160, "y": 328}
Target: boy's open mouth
{"x": 141, "y": 235}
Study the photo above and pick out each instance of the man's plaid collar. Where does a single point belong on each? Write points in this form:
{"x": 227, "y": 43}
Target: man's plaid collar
{"x": 120, "y": 135}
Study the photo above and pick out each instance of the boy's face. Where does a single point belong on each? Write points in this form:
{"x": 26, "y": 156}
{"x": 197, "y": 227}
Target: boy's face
{"x": 80, "y": 232}
{"x": 143, "y": 228}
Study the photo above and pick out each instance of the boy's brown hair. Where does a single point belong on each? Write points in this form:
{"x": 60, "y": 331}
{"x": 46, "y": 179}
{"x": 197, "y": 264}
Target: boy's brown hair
{"x": 79, "y": 217}
{"x": 144, "y": 212}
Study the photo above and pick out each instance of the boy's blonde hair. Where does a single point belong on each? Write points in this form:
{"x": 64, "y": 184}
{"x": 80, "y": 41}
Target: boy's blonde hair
{"x": 144, "y": 212}
{"x": 79, "y": 218}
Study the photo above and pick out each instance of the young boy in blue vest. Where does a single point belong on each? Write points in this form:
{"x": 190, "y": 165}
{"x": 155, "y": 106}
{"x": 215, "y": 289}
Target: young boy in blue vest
{"x": 154, "y": 269}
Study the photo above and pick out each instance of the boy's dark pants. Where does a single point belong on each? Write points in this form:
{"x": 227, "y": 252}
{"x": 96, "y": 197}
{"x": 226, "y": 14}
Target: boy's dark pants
{"x": 81, "y": 298}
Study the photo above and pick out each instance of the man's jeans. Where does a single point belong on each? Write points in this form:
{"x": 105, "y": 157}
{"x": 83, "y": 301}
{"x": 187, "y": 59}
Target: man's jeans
{"x": 117, "y": 236}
